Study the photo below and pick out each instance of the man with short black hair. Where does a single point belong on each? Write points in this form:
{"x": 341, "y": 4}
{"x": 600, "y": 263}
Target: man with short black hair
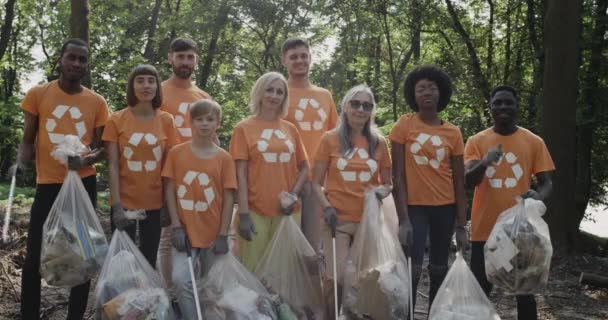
{"x": 500, "y": 162}
{"x": 52, "y": 111}
{"x": 313, "y": 111}
{"x": 179, "y": 92}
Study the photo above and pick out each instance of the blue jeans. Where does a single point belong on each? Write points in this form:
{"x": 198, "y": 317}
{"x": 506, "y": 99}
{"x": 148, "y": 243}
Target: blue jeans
{"x": 438, "y": 221}
{"x": 526, "y": 304}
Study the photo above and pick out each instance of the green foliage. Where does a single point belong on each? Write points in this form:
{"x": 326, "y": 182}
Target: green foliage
{"x": 368, "y": 42}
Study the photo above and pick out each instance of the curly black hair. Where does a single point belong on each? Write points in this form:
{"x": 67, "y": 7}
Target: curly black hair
{"x": 503, "y": 88}
{"x": 432, "y": 73}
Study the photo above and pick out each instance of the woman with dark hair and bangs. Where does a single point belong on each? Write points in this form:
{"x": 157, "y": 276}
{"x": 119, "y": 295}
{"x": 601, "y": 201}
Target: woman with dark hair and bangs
{"x": 428, "y": 174}
{"x": 137, "y": 141}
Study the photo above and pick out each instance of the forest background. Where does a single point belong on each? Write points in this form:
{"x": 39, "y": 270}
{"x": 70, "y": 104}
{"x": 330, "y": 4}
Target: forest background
{"x": 554, "y": 52}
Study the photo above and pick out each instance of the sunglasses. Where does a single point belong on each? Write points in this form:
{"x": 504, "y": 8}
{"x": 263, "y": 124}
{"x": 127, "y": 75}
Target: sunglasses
{"x": 366, "y": 106}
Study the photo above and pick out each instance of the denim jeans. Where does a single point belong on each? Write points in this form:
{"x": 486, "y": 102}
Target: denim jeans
{"x": 438, "y": 222}
{"x": 526, "y": 304}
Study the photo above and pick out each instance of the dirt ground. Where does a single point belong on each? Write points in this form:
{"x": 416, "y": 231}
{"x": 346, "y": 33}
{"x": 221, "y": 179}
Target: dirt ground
{"x": 564, "y": 298}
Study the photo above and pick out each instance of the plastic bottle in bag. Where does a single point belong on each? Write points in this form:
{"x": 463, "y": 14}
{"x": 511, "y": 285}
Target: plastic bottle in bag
{"x": 128, "y": 287}
{"x": 518, "y": 251}
{"x": 460, "y": 297}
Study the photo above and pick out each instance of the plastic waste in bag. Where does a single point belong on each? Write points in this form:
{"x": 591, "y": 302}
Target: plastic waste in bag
{"x": 128, "y": 287}
{"x": 460, "y": 297}
{"x": 73, "y": 243}
{"x": 229, "y": 291}
{"x": 518, "y": 252}
{"x": 290, "y": 268}
{"x": 376, "y": 281}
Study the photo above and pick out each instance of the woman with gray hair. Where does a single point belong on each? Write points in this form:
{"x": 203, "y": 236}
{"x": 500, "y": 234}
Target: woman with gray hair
{"x": 270, "y": 159}
{"x": 350, "y": 159}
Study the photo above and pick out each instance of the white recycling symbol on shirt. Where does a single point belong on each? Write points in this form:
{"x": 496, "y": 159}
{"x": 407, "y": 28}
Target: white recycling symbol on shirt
{"x": 180, "y": 120}
{"x": 148, "y": 164}
{"x": 273, "y": 157}
{"x": 352, "y": 175}
{"x": 437, "y": 144}
{"x": 182, "y": 190}
{"x": 58, "y": 114}
{"x": 315, "y": 125}
{"x": 497, "y": 183}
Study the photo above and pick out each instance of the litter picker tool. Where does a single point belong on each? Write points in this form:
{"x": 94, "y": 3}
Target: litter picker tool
{"x": 9, "y": 206}
{"x": 192, "y": 278}
{"x": 409, "y": 271}
{"x": 333, "y": 244}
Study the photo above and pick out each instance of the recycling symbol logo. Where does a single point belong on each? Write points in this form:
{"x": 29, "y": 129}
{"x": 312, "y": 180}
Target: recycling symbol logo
{"x": 150, "y": 142}
{"x": 281, "y": 154}
{"x": 182, "y": 191}
{"x": 318, "y": 114}
{"x": 511, "y": 159}
{"x": 438, "y": 150}
{"x": 180, "y": 120}
{"x": 363, "y": 174}
{"x": 60, "y": 113}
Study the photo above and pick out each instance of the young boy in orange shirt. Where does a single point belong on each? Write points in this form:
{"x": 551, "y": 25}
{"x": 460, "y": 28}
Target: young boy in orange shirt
{"x": 199, "y": 181}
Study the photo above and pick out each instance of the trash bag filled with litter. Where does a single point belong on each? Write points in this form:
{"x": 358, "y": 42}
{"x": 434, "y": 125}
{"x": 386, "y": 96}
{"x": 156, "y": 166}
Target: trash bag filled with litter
{"x": 73, "y": 243}
{"x": 376, "y": 281}
{"x": 518, "y": 252}
{"x": 128, "y": 287}
{"x": 289, "y": 268}
{"x": 460, "y": 297}
{"x": 230, "y": 292}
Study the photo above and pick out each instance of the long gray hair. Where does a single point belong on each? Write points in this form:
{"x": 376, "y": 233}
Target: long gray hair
{"x": 369, "y": 130}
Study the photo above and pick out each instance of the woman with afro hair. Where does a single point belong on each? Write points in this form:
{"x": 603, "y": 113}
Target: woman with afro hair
{"x": 428, "y": 175}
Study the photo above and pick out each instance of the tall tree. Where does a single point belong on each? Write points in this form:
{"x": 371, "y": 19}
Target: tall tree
{"x": 79, "y": 26}
{"x": 149, "y": 52}
{"x": 5, "y": 31}
{"x": 560, "y": 87}
{"x": 590, "y": 110}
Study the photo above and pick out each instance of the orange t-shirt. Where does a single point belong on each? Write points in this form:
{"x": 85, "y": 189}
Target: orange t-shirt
{"x": 349, "y": 176}
{"x": 273, "y": 150}
{"x": 60, "y": 114}
{"x": 142, "y": 145}
{"x": 200, "y": 185}
{"x": 428, "y": 153}
{"x": 177, "y": 102}
{"x": 524, "y": 155}
{"x": 313, "y": 112}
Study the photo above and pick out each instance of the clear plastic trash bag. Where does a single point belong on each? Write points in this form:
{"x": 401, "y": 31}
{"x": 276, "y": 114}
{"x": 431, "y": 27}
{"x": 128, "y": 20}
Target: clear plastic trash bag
{"x": 128, "y": 287}
{"x": 460, "y": 297}
{"x": 230, "y": 291}
{"x": 73, "y": 243}
{"x": 376, "y": 279}
{"x": 290, "y": 268}
{"x": 518, "y": 252}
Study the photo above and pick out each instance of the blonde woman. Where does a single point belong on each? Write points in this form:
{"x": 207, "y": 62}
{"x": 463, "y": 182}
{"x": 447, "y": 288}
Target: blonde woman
{"x": 270, "y": 159}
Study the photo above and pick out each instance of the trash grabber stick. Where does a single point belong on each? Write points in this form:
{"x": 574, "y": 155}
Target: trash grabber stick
{"x": 409, "y": 270}
{"x": 9, "y": 206}
{"x": 333, "y": 243}
{"x": 192, "y": 278}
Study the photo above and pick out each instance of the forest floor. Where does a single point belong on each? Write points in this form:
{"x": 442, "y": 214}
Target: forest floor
{"x": 563, "y": 298}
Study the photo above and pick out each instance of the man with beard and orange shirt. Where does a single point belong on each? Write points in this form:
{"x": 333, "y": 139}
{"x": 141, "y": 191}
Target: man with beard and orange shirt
{"x": 179, "y": 92}
{"x": 313, "y": 111}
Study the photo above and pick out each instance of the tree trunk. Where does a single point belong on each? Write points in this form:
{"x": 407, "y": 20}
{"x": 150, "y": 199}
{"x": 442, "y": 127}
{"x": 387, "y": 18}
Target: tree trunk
{"x": 417, "y": 28}
{"x": 490, "y": 56}
{"x": 560, "y": 86}
{"x": 538, "y": 65}
{"x": 149, "y": 52}
{"x": 220, "y": 23}
{"x": 590, "y": 103}
{"x": 5, "y": 31}
{"x": 79, "y": 27}
{"x": 508, "y": 45}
